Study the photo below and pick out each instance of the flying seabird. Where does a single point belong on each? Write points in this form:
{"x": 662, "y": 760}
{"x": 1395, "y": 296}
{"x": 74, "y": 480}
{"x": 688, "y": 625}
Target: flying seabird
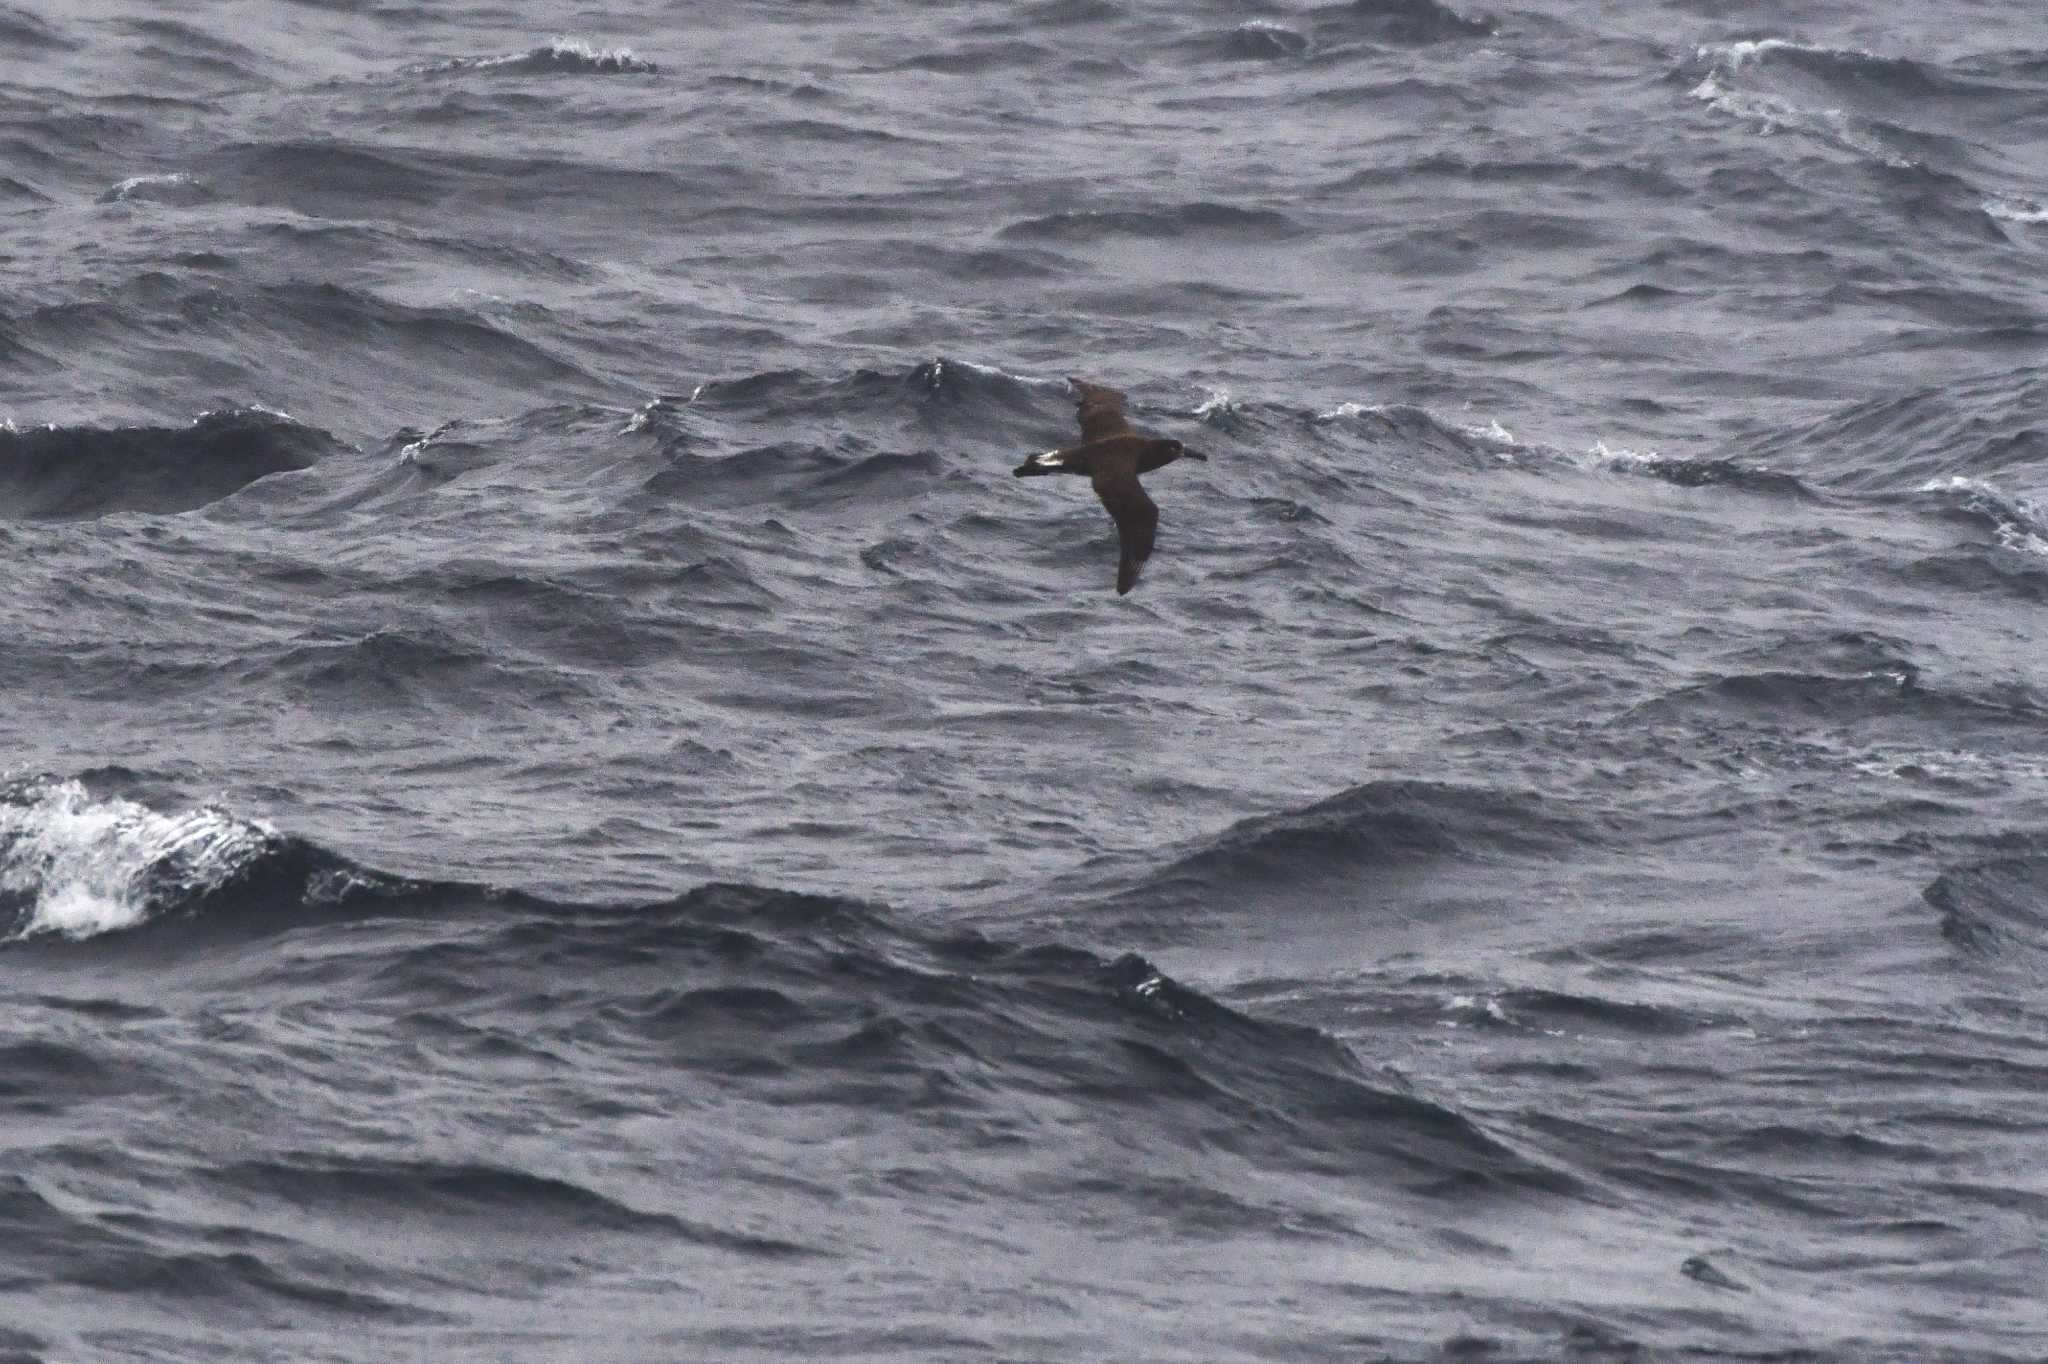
{"x": 1112, "y": 455}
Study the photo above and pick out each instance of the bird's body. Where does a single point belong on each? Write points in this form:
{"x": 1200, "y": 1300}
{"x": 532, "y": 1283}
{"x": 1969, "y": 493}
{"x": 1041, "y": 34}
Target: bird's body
{"x": 1112, "y": 455}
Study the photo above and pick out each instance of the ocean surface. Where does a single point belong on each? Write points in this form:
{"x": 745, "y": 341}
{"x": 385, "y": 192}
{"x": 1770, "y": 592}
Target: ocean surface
{"x": 559, "y": 803}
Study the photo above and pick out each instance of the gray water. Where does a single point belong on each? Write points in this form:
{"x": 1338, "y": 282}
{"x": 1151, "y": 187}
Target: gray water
{"x": 560, "y": 802}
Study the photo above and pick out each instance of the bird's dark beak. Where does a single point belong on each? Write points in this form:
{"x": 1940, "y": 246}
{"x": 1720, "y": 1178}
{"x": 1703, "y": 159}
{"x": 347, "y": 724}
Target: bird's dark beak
{"x": 1193, "y": 454}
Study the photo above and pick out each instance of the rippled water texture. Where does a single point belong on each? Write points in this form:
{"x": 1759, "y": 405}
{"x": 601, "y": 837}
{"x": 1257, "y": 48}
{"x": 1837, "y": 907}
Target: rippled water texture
{"x": 558, "y": 801}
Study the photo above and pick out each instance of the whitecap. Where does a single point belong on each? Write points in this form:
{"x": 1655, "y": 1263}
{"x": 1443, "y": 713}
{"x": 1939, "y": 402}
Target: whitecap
{"x": 1719, "y": 89}
{"x": 556, "y": 56}
{"x": 1619, "y": 459}
{"x": 2027, "y": 211}
{"x": 83, "y": 866}
{"x": 1347, "y": 411}
{"x": 2020, "y": 523}
{"x": 1493, "y": 433}
{"x": 176, "y": 188}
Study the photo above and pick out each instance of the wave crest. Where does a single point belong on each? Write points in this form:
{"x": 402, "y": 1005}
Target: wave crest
{"x": 558, "y": 57}
{"x": 1851, "y": 99}
{"x": 1407, "y": 23}
{"x": 78, "y": 866}
{"x": 1994, "y": 908}
{"x": 1377, "y": 827}
{"x": 73, "y": 473}
{"x": 2020, "y": 523}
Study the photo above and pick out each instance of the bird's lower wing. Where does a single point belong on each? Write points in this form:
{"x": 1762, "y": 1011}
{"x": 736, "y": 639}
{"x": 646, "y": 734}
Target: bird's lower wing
{"x": 1137, "y": 522}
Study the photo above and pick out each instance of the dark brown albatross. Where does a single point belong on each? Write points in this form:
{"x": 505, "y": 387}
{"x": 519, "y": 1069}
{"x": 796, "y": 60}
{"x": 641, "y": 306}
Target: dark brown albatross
{"x": 1112, "y": 455}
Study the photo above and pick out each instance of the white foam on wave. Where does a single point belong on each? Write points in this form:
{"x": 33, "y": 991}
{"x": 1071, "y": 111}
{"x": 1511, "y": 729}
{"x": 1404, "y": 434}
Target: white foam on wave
{"x": 219, "y": 414}
{"x": 172, "y": 186}
{"x": 1953, "y": 764}
{"x": 1493, "y": 433}
{"x": 1744, "y": 51}
{"x": 569, "y": 54}
{"x": 1597, "y": 458}
{"x": 87, "y": 866}
{"x": 560, "y": 46}
{"x": 1348, "y": 411}
{"x": 1489, "y": 433}
{"x": 2021, "y": 523}
{"x": 1720, "y": 91}
{"x": 2027, "y": 211}
{"x": 1620, "y": 458}
{"x": 939, "y": 365}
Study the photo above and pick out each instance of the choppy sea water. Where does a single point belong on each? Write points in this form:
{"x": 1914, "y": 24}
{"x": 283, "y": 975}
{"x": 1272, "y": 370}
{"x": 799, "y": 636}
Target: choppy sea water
{"x": 560, "y": 803}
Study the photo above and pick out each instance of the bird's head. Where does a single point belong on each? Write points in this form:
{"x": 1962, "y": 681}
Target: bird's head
{"x": 1175, "y": 450}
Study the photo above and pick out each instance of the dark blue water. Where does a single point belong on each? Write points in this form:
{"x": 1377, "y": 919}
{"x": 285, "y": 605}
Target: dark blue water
{"x": 560, "y": 803}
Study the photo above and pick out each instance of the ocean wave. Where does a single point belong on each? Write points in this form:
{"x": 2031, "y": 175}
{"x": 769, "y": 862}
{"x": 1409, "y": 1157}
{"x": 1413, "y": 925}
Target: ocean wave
{"x": 790, "y": 474}
{"x": 1850, "y": 72}
{"x": 80, "y": 862}
{"x": 859, "y": 425}
{"x": 1378, "y": 826}
{"x": 559, "y": 57}
{"x": 71, "y": 473}
{"x": 943, "y": 380}
{"x": 424, "y": 670}
{"x": 1560, "y": 1013}
{"x": 1688, "y": 472}
{"x": 1994, "y": 908}
{"x": 1969, "y": 428}
{"x": 976, "y": 58}
{"x": 1489, "y": 443}
{"x": 184, "y": 51}
{"x": 1163, "y": 224}
{"x": 795, "y": 999}
{"x": 1420, "y": 429}
{"x": 78, "y": 866}
{"x": 1255, "y": 40}
{"x": 24, "y": 29}
{"x": 1732, "y": 80}
{"x": 1408, "y": 23}
{"x": 437, "y": 337}
{"x": 825, "y": 130}
{"x": 1922, "y": 123}
{"x": 337, "y": 245}
{"x": 435, "y": 184}
{"x": 2026, "y": 212}
{"x": 177, "y": 188}
{"x": 826, "y": 1000}
{"x": 1891, "y": 693}
{"x": 2020, "y": 523}
{"x": 497, "y": 1201}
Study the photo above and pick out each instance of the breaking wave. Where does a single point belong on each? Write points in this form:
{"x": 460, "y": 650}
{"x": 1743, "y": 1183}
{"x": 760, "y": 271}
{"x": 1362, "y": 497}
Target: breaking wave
{"x": 73, "y": 473}
{"x": 560, "y": 57}
{"x": 78, "y": 866}
{"x": 2019, "y": 523}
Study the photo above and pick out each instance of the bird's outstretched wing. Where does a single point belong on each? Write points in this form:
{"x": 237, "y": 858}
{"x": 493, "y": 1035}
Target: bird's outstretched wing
{"x": 1101, "y": 411}
{"x": 1137, "y": 521}
{"x": 1051, "y": 462}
